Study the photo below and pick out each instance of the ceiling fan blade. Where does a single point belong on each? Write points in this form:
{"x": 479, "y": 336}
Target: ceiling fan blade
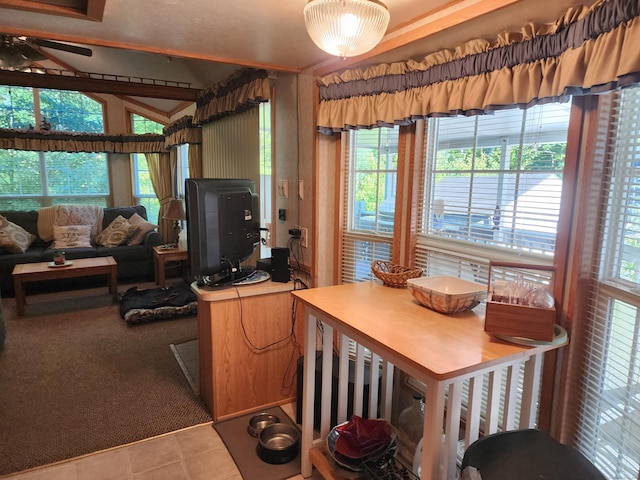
{"x": 29, "y": 52}
{"x": 62, "y": 46}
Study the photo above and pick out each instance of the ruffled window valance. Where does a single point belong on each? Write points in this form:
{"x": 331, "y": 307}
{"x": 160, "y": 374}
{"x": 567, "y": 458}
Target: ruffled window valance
{"x": 588, "y": 50}
{"x": 81, "y": 142}
{"x": 182, "y": 131}
{"x": 244, "y": 89}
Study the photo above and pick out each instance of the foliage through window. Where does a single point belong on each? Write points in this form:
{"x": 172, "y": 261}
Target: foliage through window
{"x": 492, "y": 189}
{"x": 31, "y": 180}
{"x": 143, "y": 192}
{"x": 266, "y": 179}
{"x": 369, "y": 202}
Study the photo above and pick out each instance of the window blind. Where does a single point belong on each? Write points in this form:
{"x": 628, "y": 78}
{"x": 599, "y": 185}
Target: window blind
{"x": 368, "y": 204}
{"x": 496, "y": 180}
{"x": 492, "y": 187}
{"x": 608, "y": 415}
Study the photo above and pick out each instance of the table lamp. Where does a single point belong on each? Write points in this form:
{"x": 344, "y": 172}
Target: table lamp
{"x": 176, "y": 213}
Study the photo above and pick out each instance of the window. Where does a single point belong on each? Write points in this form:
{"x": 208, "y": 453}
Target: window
{"x": 31, "y": 180}
{"x": 70, "y": 111}
{"x": 16, "y": 108}
{"x": 371, "y": 166}
{"x": 608, "y": 423}
{"x": 182, "y": 168}
{"x": 492, "y": 189}
{"x": 266, "y": 179}
{"x": 143, "y": 193}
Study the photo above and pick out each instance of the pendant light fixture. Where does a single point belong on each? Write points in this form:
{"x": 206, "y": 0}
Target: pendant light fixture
{"x": 346, "y": 28}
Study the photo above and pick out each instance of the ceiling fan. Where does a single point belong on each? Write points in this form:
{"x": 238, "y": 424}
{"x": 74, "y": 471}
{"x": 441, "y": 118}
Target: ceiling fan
{"x": 17, "y": 51}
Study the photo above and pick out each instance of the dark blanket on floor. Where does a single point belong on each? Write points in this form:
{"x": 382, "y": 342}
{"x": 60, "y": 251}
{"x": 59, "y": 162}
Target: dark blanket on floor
{"x": 138, "y": 306}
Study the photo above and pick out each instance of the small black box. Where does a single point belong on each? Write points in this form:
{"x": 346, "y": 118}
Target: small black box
{"x": 280, "y": 264}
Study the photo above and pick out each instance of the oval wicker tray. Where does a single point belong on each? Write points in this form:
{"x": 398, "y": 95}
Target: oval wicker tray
{"x": 393, "y": 275}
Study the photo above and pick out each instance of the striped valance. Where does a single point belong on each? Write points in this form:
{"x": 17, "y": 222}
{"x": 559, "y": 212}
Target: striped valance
{"x": 80, "y": 142}
{"x": 589, "y": 49}
{"x": 243, "y": 89}
{"x": 182, "y": 131}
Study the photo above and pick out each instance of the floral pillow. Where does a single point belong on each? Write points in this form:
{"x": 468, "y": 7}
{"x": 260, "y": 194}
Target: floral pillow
{"x": 117, "y": 233}
{"x": 14, "y": 238}
{"x": 143, "y": 227}
{"x": 71, "y": 236}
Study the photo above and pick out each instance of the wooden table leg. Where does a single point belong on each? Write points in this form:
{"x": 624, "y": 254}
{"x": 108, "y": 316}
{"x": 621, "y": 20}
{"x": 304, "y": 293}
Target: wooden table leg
{"x": 21, "y": 295}
{"x": 160, "y": 274}
{"x": 113, "y": 282}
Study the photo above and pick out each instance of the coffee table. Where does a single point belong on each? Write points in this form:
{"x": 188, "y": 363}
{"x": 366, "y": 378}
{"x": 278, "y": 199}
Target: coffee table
{"x": 83, "y": 267}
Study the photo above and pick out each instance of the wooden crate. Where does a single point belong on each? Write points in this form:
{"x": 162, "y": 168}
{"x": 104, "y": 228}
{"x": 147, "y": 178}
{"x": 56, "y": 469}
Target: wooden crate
{"x": 519, "y": 320}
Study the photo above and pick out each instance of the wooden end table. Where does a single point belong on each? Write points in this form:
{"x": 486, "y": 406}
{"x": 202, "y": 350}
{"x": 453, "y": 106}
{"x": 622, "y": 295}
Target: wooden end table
{"x": 162, "y": 255}
{"x": 83, "y": 267}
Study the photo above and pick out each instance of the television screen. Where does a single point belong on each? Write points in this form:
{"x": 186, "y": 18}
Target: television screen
{"x": 223, "y": 226}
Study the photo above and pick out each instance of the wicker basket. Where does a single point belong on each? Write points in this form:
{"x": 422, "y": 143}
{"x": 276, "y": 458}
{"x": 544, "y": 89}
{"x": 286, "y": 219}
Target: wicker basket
{"x": 393, "y": 275}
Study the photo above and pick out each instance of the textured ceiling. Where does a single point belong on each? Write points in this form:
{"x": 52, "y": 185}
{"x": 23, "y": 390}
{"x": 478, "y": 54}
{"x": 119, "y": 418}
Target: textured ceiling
{"x": 203, "y": 41}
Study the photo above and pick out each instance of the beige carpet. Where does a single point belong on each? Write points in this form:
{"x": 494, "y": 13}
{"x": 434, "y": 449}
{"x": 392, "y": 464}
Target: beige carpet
{"x": 74, "y": 379}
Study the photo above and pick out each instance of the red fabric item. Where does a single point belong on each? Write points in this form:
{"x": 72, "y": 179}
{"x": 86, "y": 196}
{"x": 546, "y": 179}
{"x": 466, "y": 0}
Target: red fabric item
{"x": 360, "y": 437}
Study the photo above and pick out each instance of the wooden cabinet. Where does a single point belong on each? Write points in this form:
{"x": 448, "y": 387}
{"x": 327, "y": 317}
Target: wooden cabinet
{"x": 247, "y": 352}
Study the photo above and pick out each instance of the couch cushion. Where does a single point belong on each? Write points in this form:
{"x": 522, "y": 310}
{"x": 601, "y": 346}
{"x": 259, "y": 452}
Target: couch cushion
{"x": 116, "y": 233}
{"x": 71, "y": 236}
{"x": 14, "y": 238}
{"x": 111, "y": 213}
{"x": 143, "y": 227}
{"x": 124, "y": 253}
{"x": 29, "y": 221}
{"x": 33, "y": 255}
{"x": 69, "y": 253}
{"x": 71, "y": 214}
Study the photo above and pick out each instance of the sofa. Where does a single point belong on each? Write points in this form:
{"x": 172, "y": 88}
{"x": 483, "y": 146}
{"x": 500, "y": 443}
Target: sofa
{"x": 135, "y": 261}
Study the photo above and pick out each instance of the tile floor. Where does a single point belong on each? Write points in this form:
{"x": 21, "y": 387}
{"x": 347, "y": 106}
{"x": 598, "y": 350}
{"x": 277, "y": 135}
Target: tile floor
{"x": 195, "y": 453}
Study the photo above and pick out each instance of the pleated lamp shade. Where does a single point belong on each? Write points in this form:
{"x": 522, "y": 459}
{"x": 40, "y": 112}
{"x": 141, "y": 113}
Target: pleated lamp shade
{"x": 346, "y": 28}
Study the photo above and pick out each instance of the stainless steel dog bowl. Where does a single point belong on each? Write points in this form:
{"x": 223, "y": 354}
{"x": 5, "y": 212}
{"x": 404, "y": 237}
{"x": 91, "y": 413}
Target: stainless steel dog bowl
{"x": 278, "y": 443}
{"x": 258, "y": 422}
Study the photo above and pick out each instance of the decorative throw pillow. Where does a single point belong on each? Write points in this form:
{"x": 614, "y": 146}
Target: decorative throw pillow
{"x": 71, "y": 236}
{"x": 117, "y": 233}
{"x": 143, "y": 227}
{"x": 14, "y": 238}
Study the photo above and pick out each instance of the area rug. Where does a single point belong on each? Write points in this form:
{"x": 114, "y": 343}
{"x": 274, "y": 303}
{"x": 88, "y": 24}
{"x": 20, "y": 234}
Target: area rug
{"x": 242, "y": 447}
{"x": 75, "y": 379}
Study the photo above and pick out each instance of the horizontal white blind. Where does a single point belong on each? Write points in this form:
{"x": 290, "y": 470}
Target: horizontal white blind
{"x": 497, "y": 179}
{"x": 492, "y": 187}
{"x": 370, "y": 166}
{"x": 608, "y": 424}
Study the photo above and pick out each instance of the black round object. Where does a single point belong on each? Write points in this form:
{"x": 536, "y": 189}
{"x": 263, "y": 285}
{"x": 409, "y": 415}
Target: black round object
{"x": 278, "y": 443}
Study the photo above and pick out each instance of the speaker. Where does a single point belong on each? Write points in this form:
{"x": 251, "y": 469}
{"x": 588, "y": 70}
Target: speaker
{"x": 280, "y": 264}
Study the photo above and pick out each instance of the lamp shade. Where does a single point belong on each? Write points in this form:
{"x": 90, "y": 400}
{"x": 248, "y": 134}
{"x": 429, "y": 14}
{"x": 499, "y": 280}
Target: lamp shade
{"x": 175, "y": 210}
{"x": 346, "y": 28}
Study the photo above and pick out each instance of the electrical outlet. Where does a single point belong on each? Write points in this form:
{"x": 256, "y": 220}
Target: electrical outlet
{"x": 303, "y": 237}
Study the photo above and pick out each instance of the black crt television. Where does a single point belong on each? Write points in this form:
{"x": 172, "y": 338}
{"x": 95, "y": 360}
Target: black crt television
{"x": 223, "y": 228}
